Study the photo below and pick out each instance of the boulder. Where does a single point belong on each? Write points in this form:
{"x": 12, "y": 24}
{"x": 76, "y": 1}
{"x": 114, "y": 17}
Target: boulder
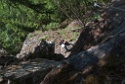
{"x": 36, "y": 47}
{"x": 28, "y": 72}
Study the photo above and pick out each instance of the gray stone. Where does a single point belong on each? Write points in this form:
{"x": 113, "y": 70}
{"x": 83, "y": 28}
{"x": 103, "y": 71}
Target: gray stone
{"x": 28, "y": 72}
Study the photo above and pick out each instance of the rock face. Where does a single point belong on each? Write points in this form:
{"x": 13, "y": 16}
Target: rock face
{"x": 99, "y": 51}
{"x": 27, "y": 72}
{"x": 33, "y": 47}
{"x": 75, "y": 24}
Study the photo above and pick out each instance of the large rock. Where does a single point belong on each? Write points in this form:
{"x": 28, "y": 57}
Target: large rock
{"x": 36, "y": 47}
{"x": 99, "y": 51}
{"x": 75, "y": 24}
{"x": 27, "y": 72}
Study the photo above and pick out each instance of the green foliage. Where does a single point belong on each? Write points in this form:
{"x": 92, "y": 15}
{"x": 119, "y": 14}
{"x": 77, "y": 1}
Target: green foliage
{"x": 75, "y": 8}
{"x": 19, "y": 17}
{"x": 51, "y": 26}
{"x": 15, "y": 23}
{"x": 78, "y": 9}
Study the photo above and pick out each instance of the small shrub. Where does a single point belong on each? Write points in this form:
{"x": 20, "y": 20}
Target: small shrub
{"x": 51, "y": 26}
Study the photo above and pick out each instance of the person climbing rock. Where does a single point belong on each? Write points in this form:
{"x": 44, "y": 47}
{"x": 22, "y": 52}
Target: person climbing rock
{"x": 64, "y": 44}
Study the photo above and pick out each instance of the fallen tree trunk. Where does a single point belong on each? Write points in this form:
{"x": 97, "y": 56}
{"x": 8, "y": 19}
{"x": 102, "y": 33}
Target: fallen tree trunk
{"x": 105, "y": 47}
